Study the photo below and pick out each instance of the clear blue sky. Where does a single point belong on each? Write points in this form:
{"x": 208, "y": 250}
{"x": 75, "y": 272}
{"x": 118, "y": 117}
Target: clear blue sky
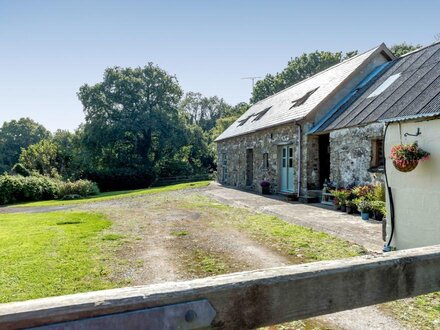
{"x": 50, "y": 48}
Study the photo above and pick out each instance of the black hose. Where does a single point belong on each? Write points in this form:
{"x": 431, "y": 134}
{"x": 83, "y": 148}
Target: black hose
{"x": 390, "y": 194}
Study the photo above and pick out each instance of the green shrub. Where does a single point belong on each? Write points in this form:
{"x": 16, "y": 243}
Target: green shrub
{"x": 17, "y": 188}
{"x": 81, "y": 187}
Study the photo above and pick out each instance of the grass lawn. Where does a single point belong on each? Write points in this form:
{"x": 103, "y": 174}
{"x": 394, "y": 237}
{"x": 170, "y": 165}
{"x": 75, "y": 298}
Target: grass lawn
{"x": 116, "y": 194}
{"x": 422, "y": 312}
{"x": 50, "y": 254}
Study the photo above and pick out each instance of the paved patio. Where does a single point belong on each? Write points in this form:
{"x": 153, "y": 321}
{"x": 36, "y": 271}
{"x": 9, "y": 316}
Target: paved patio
{"x": 315, "y": 216}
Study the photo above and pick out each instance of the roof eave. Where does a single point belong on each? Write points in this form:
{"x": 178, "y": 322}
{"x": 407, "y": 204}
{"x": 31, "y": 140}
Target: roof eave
{"x": 260, "y": 129}
{"x": 413, "y": 117}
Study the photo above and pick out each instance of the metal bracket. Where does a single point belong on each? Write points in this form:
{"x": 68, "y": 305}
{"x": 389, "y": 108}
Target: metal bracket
{"x": 417, "y": 133}
{"x": 184, "y": 316}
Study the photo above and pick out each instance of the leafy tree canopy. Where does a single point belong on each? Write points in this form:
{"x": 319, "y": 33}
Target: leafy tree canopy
{"x": 203, "y": 111}
{"x": 17, "y": 134}
{"x": 134, "y": 126}
{"x": 403, "y": 48}
{"x": 42, "y": 157}
{"x": 130, "y": 115}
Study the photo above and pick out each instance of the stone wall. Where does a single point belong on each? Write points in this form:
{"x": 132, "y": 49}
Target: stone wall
{"x": 350, "y": 157}
{"x": 265, "y": 141}
{"x": 351, "y": 154}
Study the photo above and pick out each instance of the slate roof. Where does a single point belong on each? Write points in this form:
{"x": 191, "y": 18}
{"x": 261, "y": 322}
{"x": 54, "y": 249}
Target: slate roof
{"x": 297, "y": 101}
{"x": 412, "y": 89}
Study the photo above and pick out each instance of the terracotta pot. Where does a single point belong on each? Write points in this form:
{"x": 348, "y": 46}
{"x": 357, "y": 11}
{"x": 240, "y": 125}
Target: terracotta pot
{"x": 406, "y": 166}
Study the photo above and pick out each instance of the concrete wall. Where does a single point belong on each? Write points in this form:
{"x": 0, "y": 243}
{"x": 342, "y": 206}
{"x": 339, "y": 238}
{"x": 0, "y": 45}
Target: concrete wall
{"x": 351, "y": 153}
{"x": 416, "y": 194}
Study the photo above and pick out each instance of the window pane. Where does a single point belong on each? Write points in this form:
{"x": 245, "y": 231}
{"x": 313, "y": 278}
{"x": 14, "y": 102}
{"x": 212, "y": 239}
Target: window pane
{"x": 284, "y": 163}
{"x": 284, "y": 152}
{"x": 266, "y": 160}
{"x": 290, "y": 152}
{"x": 290, "y": 162}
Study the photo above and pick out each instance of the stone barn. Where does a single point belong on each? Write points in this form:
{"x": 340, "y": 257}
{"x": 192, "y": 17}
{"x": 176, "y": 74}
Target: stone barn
{"x": 407, "y": 85}
{"x": 284, "y": 138}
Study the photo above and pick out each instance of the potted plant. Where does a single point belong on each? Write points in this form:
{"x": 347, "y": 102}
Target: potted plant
{"x": 336, "y": 204}
{"x": 341, "y": 196}
{"x": 265, "y": 187}
{"x": 379, "y": 210}
{"x": 364, "y": 206}
{"x": 406, "y": 157}
{"x": 350, "y": 206}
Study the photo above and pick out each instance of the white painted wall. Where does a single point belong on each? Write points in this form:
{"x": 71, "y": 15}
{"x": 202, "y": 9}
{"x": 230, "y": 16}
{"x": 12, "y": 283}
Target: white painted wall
{"x": 416, "y": 194}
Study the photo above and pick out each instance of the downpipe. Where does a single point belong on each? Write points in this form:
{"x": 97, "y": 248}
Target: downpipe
{"x": 299, "y": 132}
{"x": 387, "y": 247}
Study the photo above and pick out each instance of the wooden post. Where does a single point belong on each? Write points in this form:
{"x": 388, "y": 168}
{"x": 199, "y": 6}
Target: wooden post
{"x": 255, "y": 298}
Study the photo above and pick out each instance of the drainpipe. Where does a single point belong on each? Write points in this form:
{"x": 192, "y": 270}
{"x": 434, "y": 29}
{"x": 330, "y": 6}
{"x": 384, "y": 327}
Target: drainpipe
{"x": 387, "y": 246}
{"x": 299, "y": 157}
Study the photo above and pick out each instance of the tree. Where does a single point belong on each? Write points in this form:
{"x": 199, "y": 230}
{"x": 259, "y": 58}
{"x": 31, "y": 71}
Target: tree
{"x": 203, "y": 111}
{"x": 403, "y": 48}
{"x": 134, "y": 129}
{"x": 68, "y": 153}
{"x": 130, "y": 114}
{"x": 17, "y": 134}
{"x": 297, "y": 69}
{"x": 42, "y": 157}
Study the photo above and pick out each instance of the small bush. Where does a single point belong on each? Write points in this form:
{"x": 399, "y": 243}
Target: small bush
{"x": 81, "y": 187}
{"x": 17, "y": 188}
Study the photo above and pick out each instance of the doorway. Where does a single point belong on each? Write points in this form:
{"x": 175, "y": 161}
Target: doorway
{"x": 249, "y": 167}
{"x": 324, "y": 158}
{"x": 286, "y": 170}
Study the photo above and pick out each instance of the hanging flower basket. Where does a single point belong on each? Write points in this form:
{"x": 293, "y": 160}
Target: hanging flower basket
{"x": 405, "y": 165}
{"x": 406, "y": 157}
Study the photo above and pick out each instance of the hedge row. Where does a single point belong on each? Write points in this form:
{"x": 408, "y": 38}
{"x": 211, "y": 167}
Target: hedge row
{"x": 17, "y": 188}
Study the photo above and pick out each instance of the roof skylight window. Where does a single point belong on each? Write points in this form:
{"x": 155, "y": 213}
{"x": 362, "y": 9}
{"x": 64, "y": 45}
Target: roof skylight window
{"x": 261, "y": 114}
{"x": 243, "y": 121}
{"x": 387, "y": 83}
{"x": 303, "y": 99}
